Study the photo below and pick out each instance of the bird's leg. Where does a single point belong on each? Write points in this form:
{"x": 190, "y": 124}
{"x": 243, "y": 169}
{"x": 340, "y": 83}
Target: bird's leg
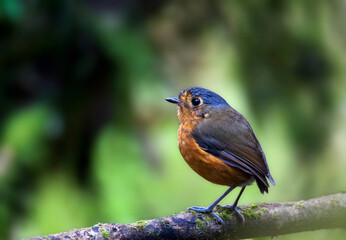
{"x": 234, "y": 206}
{"x": 211, "y": 207}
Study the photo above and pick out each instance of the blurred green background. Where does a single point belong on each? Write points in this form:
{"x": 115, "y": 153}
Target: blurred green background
{"x": 85, "y": 133}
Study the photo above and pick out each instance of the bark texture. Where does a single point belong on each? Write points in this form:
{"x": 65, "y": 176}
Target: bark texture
{"x": 266, "y": 219}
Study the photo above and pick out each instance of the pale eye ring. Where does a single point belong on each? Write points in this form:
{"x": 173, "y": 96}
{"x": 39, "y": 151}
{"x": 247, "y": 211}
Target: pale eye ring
{"x": 195, "y": 101}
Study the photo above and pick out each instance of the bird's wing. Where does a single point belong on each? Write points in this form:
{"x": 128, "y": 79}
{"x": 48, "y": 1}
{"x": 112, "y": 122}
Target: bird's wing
{"x": 229, "y": 137}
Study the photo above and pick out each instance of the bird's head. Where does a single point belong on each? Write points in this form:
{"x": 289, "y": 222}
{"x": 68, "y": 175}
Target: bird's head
{"x": 197, "y": 103}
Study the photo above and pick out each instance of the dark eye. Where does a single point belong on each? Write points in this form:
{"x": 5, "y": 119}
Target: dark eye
{"x": 195, "y": 101}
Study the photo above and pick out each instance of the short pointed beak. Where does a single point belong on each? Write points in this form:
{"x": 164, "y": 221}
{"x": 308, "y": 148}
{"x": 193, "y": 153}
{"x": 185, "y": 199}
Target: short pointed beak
{"x": 173, "y": 100}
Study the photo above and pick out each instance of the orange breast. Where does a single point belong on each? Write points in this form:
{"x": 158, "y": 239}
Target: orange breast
{"x": 205, "y": 164}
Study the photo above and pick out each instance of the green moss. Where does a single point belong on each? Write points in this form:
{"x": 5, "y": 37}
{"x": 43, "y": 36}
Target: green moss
{"x": 263, "y": 209}
{"x": 299, "y": 206}
{"x": 164, "y": 223}
{"x": 105, "y": 233}
{"x": 134, "y": 227}
{"x": 191, "y": 211}
{"x": 139, "y": 225}
{"x": 209, "y": 217}
{"x": 253, "y": 206}
{"x": 219, "y": 208}
{"x": 226, "y": 214}
{"x": 250, "y": 213}
{"x": 276, "y": 214}
{"x": 150, "y": 231}
{"x": 200, "y": 224}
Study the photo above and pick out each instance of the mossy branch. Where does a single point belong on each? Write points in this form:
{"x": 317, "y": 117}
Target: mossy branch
{"x": 266, "y": 219}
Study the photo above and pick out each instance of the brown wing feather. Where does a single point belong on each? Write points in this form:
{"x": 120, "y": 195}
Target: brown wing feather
{"x": 230, "y": 137}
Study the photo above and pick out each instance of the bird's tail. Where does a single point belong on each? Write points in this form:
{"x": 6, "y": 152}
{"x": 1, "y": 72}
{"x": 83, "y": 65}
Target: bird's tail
{"x": 262, "y": 187}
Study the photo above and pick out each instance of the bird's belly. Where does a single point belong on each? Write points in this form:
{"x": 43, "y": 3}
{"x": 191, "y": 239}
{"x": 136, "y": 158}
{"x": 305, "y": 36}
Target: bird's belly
{"x": 208, "y": 166}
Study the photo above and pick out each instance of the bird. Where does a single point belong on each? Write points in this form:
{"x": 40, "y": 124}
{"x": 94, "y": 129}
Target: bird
{"x": 218, "y": 143}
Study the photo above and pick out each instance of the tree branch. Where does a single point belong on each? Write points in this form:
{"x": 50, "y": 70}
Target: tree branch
{"x": 266, "y": 219}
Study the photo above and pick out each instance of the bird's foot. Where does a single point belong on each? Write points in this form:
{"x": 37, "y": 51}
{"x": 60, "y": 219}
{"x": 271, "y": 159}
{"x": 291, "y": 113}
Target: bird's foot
{"x": 200, "y": 209}
{"x": 206, "y": 210}
{"x": 236, "y": 211}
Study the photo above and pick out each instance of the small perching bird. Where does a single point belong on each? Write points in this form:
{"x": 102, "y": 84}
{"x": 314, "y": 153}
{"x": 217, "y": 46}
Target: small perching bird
{"x": 219, "y": 144}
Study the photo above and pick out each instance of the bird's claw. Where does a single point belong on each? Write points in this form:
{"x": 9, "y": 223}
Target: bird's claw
{"x": 219, "y": 220}
{"x": 237, "y": 212}
{"x": 206, "y": 210}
